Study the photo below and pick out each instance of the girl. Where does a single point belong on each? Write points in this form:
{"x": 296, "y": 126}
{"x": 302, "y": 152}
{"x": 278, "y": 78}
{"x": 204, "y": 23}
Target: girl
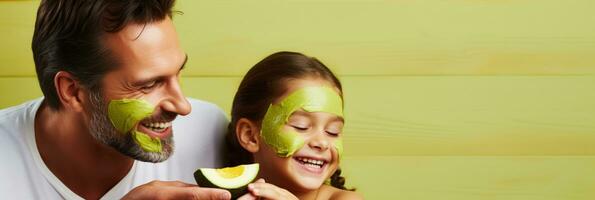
{"x": 287, "y": 115}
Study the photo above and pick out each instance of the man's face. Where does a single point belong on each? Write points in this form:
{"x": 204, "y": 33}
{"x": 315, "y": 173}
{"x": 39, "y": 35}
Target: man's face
{"x": 150, "y": 60}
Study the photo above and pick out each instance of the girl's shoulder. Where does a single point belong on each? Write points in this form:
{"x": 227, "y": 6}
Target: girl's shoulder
{"x": 333, "y": 193}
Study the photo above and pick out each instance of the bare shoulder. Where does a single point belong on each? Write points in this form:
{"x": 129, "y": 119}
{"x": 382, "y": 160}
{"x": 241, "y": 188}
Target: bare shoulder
{"x": 338, "y": 194}
{"x": 346, "y": 195}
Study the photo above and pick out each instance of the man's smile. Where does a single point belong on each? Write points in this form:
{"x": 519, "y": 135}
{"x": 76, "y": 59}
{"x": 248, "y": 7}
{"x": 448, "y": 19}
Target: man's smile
{"x": 161, "y": 130}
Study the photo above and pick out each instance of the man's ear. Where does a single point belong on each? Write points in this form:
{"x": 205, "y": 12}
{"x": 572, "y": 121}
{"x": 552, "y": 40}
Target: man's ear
{"x": 248, "y": 135}
{"x": 69, "y": 91}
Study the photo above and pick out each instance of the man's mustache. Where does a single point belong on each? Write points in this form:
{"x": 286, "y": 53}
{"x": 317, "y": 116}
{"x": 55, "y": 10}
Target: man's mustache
{"x": 163, "y": 116}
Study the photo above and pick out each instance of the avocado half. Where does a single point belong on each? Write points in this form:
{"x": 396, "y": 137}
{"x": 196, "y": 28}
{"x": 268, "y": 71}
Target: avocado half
{"x": 233, "y": 179}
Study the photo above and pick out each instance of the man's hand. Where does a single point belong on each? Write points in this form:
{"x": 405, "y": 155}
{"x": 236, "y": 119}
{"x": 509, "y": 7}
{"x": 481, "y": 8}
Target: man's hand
{"x": 175, "y": 190}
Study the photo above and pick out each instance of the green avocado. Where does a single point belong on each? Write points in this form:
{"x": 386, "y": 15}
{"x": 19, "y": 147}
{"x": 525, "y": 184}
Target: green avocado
{"x": 233, "y": 179}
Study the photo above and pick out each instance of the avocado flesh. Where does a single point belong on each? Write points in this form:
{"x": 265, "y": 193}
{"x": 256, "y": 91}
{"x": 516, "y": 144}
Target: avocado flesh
{"x": 203, "y": 179}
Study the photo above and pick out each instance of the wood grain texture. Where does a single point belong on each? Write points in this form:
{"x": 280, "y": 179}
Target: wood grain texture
{"x": 472, "y": 177}
{"x": 395, "y": 37}
{"x": 436, "y": 115}
{"x": 455, "y": 99}
{"x": 15, "y": 91}
{"x": 490, "y": 115}
{"x": 17, "y": 20}
{"x": 435, "y": 120}
{"x": 357, "y": 37}
{"x": 455, "y": 115}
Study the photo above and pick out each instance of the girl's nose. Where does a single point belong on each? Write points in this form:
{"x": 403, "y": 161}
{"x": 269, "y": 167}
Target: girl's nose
{"x": 319, "y": 142}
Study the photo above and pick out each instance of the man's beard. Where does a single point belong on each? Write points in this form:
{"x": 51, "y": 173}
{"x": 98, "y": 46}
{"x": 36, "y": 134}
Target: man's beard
{"x": 103, "y": 131}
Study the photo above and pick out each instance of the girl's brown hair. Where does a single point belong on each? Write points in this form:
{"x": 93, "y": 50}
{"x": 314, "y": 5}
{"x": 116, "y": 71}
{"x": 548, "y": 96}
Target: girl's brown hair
{"x": 261, "y": 86}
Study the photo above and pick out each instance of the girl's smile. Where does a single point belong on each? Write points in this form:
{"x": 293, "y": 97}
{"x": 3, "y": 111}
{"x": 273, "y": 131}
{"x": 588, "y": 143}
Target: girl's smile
{"x": 311, "y": 165}
{"x": 287, "y": 116}
{"x": 311, "y": 162}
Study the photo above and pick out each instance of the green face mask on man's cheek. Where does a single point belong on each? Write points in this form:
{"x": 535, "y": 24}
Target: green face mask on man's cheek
{"x": 311, "y": 99}
{"x": 125, "y": 114}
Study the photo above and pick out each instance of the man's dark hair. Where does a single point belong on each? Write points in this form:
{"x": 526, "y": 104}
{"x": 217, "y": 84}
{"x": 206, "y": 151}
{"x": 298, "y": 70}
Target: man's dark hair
{"x": 68, "y": 37}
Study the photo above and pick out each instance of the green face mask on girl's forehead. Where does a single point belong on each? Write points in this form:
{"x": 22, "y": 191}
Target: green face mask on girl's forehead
{"x": 126, "y": 113}
{"x": 310, "y": 99}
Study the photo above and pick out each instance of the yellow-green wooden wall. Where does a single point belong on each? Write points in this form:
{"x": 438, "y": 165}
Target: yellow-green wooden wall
{"x": 445, "y": 99}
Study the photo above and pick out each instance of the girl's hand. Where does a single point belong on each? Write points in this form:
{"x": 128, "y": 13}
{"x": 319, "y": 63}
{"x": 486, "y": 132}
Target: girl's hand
{"x": 262, "y": 190}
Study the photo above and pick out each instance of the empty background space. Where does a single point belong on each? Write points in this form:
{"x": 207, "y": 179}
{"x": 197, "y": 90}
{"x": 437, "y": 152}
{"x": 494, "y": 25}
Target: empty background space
{"x": 444, "y": 99}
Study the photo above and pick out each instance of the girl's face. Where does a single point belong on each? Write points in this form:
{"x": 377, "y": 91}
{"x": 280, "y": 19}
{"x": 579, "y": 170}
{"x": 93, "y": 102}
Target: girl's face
{"x": 318, "y": 158}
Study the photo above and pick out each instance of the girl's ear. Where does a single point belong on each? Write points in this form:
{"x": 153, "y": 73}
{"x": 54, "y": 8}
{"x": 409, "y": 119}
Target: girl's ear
{"x": 248, "y": 135}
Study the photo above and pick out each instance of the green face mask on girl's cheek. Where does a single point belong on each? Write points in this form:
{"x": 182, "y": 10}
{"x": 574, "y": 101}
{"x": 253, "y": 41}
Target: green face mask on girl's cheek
{"x": 311, "y": 99}
{"x": 126, "y": 113}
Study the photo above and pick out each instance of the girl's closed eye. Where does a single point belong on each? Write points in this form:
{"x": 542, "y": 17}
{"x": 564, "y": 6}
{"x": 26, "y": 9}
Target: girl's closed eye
{"x": 333, "y": 133}
{"x": 300, "y": 142}
{"x": 300, "y": 127}
{"x": 334, "y": 128}
{"x": 299, "y": 124}
{"x": 299, "y": 121}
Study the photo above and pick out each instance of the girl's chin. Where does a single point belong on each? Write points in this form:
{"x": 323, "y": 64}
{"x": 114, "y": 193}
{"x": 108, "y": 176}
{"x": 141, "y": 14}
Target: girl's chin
{"x": 310, "y": 184}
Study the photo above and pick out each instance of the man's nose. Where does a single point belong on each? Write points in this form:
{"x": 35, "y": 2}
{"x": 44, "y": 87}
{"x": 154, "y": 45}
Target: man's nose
{"x": 175, "y": 101}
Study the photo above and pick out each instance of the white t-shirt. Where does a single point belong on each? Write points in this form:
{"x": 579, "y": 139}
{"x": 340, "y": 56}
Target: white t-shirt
{"x": 198, "y": 137}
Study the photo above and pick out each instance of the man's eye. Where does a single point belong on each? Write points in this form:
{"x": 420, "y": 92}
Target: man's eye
{"x": 149, "y": 86}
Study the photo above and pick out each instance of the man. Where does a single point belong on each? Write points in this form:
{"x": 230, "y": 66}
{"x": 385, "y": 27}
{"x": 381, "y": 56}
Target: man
{"x": 109, "y": 72}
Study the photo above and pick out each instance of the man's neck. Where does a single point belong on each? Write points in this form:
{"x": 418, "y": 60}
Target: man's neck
{"x": 88, "y": 168}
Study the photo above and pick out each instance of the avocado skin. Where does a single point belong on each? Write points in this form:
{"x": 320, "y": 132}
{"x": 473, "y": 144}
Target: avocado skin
{"x": 202, "y": 181}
